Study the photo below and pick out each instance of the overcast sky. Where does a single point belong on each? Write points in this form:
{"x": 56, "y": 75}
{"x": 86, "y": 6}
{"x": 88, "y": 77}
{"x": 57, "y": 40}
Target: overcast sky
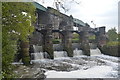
{"x": 101, "y": 12}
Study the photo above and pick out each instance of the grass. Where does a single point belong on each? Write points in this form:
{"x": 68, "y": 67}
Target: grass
{"x": 113, "y": 43}
{"x": 56, "y": 41}
{"x": 92, "y": 37}
{"x": 76, "y": 40}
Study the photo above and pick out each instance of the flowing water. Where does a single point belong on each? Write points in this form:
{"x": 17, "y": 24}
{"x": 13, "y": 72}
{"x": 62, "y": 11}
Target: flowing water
{"x": 77, "y": 52}
{"x": 95, "y": 52}
{"x": 37, "y": 48}
{"x": 38, "y": 55}
{"x": 78, "y": 66}
{"x": 58, "y": 54}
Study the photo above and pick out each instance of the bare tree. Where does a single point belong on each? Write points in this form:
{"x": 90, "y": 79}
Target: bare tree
{"x": 64, "y": 4}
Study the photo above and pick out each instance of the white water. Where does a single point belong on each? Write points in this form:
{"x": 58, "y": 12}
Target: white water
{"x": 58, "y": 54}
{"x": 95, "y": 52}
{"x": 38, "y": 55}
{"x": 77, "y": 52}
{"x": 37, "y": 48}
{"x": 95, "y": 72}
{"x": 96, "y": 66}
{"x": 107, "y": 70}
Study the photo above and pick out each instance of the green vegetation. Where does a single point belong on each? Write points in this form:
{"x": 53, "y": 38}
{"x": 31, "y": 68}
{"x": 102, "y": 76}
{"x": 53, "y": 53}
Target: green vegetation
{"x": 75, "y": 40}
{"x": 75, "y": 36}
{"x": 92, "y": 37}
{"x": 113, "y": 43}
{"x": 112, "y": 34}
{"x": 118, "y": 37}
{"x": 17, "y": 20}
{"x": 113, "y": 37}
{"x": 56, "y": 41}
{"x": 110, "y": 50}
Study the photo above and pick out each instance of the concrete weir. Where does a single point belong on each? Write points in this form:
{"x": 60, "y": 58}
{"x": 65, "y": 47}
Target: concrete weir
{"x": 51, "y": 21}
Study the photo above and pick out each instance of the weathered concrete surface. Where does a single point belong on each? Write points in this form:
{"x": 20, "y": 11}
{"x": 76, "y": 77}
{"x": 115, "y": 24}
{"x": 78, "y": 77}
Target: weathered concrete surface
{"x": 67, "y": 43}
{"x": 47, "y": 41}
{"x": 85, "y": 43}
{"x": 36, "y": 38}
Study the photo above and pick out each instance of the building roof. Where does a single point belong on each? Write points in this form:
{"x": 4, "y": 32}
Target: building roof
{"x": 39, "y": 6}
{"x": 77, "y": 21}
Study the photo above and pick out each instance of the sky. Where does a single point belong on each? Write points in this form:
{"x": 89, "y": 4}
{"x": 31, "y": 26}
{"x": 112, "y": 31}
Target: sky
{"x": 101, "y": 12}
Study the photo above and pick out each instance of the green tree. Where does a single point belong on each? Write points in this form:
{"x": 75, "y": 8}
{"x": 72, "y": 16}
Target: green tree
{"x": 112, "y": 34}
{"x": 75, "y": 36}
{"x": 17, "y": 20}
{"x": 119, "y": 37}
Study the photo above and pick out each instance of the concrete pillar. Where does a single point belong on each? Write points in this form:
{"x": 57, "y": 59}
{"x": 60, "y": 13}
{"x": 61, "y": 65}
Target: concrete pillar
{"x": 80, "y": 40}
{"x": 85, "y": 43}
{"x": 67, "y": 43}
{"x": 47, "y": 41}
{"x": 80, "y": 37}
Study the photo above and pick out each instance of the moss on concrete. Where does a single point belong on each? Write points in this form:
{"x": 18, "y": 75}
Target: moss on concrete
{"x": 26, "y": 60}
{"x": 86, "y": 49}
{"x": 69, "y": 51}
{"x": 25, "y": 52}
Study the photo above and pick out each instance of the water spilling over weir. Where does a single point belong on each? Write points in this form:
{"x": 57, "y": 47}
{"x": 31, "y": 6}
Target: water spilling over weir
{"x": 38, "y": 55}
{"x": 60, "y": 54}
{"x": 95, "y": 52}
{"x": 77, "y": 52}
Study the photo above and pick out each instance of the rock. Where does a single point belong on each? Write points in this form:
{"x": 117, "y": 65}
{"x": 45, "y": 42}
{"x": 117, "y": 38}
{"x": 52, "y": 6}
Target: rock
{"x": 29, "y": 72}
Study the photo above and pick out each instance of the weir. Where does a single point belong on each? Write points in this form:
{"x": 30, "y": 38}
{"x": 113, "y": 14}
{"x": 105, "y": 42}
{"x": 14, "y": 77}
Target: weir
{"x": 63, "y": 54}
{"x": 95, "y": 52}
{"x": 37, "y": 56}
{"x": 58, "y": 54}
{"x": 77, "y": 52}
{"x": 50, "y": 21}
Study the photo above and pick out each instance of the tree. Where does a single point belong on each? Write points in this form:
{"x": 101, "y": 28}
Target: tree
{"x": 112, "y": 34}
{"x": 63, "y": 4}
{"x": 118, "y": 37}
{"x": 17, "y": 20}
